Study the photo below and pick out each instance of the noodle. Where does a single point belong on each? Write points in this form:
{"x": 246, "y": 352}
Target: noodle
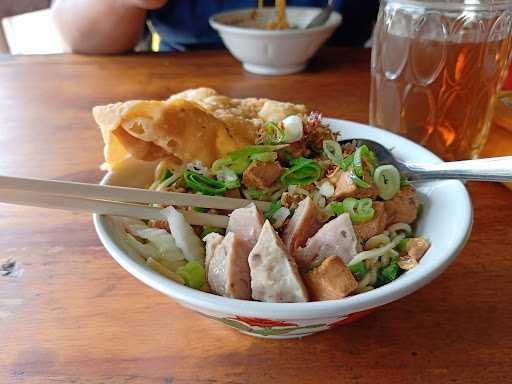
{"x": 281, "y": 21}
{"x": 393, "y": 229}
{"x": 281, "y": 14}
{"x": 377, "y": 241}
{"x": 377, "y": 252}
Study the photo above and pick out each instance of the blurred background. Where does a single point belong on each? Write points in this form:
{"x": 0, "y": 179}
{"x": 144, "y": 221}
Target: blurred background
{"x": 27, "y": 28}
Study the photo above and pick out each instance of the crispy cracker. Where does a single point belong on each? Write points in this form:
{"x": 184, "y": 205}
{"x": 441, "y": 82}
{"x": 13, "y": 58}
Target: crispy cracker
{"x": 197, "y": 124}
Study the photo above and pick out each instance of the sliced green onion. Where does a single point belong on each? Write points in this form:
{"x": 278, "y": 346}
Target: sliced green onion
{"x": 199, "y": 209}
{"x": 237, "y": 165}
{"x": 253, "y": 149}
{"x": 357, "y": 165}
{"x": 165, "y": 175}
{"x": 239, "y": 160}
{"x": 293, "y": 129}
{"x": 203, "y": 184}
{"x": 193, "y": 274}
{"x": 402, "y": 245}
{"x": 219, "y": 164}
{"x": 358, "y": 270}
{"x": 360, "y": 211}
{"x": 274, "y": 132}
{"x": 333, "y": 152}
{"x": 358, "y": 181}
{"x": 387, "y": 274}
{"x": 387, "y": 180}
{"x": 302, "y": 171}
{"x": 274, "y": 207}
{"x": 337, "y": 208}
{"x": 349, "y": 205}
{"x": 265, "y": 156}
{"x": 348, "y": 161}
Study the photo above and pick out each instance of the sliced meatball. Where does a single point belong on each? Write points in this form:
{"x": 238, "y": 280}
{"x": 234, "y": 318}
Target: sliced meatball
{"x": 303, "y": 224}
{"x": 274, "y": 274}
{"x": 246, "y": 223}
{"x": 212, "y": 241}
{"x": 330, "y": 281}
{"x": 336, "y": 238}
{"x": 402, "y": 207}
{"x": 345, "y": 187}
{"x": 228, "y": 271}
{"x": 262, "y": 174}
{"x": 374, "y": 226}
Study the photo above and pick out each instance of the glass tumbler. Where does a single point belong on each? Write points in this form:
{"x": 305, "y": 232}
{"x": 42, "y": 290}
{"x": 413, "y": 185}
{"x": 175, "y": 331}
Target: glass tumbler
{"x": 437, "y": 67}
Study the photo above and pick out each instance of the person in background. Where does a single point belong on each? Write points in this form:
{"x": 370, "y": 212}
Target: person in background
{"x": 116, "y": 26}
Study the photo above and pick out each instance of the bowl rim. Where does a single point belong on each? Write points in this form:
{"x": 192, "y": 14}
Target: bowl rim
{"x": 309, "y": 310}
{"x": 221, "y": 27}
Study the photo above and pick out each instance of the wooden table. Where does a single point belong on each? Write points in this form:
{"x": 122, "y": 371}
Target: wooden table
{"x": 75, "y": 316}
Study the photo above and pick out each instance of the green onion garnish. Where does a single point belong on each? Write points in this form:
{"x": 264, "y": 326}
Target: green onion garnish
{"x": 357, "y": 165}
{"x": 302, "y": 171}
{"x": 360, "y": 211}
{"x": 358, "y": 181}
{"x": 239, "y": 160}
{"x": 387, "y": 274}
{"x": 274, "y": 206}
{"x": 337, "y": 208}
{"x": 333, "y": 152}
{"x": 402, "y": 245}
{"x": 274, "y": 132}
{"x": 264, "y": 156}
{"x": 387, "y": 180}
{"x": 203, "y": 184}
{"x": 165, "y": 175}
{"x": 358, "y": 270}
{"x": 347, "y": 161}
{"x": 193, "y": 273}
{"x": 199, "y": 209}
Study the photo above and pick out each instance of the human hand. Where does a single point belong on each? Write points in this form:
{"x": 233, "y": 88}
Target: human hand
{"x": 147, "y": 4}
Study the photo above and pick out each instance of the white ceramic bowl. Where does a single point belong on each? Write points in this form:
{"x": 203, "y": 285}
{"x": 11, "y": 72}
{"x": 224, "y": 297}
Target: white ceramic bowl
{"x": 446, "y": 222}
{"x": 273, "y": 52}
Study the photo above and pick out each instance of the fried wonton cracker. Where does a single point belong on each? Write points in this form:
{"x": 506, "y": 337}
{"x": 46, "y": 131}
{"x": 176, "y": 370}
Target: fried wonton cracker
{"x": 197, "y": 124}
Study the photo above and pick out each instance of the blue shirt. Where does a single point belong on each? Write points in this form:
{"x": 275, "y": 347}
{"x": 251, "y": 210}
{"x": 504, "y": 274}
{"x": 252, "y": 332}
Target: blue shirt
{"x": 183, "y": 24}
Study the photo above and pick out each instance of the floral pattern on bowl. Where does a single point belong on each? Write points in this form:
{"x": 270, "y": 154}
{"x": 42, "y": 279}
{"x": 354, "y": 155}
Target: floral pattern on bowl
{"x": 282, "y": 328}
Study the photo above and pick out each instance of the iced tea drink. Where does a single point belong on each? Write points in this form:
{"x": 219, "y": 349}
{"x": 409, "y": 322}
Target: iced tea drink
{"x": 436, "y": 70}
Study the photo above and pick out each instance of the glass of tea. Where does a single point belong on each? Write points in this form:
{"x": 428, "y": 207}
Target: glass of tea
{"x": 437, "y": 67}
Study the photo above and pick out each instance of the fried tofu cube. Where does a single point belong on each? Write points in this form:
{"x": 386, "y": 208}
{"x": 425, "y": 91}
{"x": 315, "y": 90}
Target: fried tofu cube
{"x": 330, "y": 281}
{"x": 374, "y": 226}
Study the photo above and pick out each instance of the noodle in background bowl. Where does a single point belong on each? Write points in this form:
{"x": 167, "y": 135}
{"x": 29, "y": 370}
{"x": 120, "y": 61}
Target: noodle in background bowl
{"x": 273, "y": 52}
{"x": 446, "y": 222}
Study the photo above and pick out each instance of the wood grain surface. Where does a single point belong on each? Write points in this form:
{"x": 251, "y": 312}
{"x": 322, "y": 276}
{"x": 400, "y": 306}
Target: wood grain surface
{"x": 75, "y": 316}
